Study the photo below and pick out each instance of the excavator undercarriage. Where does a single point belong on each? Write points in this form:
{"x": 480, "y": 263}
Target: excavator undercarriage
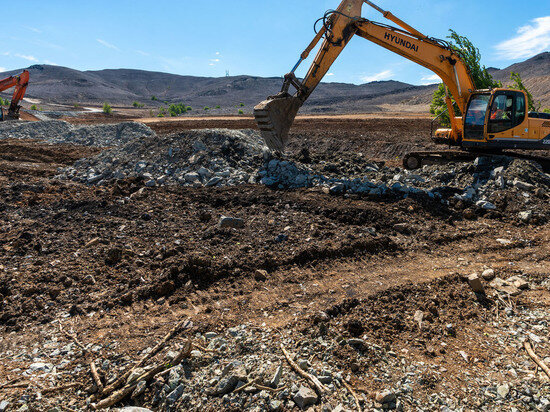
{"x": 490, "y": 121}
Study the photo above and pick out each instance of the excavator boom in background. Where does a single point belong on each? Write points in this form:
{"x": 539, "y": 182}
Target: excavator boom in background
{"x": 20, "y": 82}
{"x": 490, "y": 120}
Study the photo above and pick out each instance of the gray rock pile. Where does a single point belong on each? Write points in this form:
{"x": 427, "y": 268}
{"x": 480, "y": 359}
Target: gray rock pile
{"x": 195, "y": 158}
{"x": 221, "y": 157}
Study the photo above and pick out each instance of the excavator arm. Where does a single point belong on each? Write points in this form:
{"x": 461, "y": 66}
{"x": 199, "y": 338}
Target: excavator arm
{"x": 20, "y": 82}
{"x": 276, "y": 115}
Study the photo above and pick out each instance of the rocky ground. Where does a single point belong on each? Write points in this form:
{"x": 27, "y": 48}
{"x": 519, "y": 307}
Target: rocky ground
{"x": 361, "y": 271}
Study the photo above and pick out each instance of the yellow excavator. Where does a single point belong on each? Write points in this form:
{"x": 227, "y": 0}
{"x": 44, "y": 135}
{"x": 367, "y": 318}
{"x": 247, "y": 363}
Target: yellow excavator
{"x": 490, "y": 121}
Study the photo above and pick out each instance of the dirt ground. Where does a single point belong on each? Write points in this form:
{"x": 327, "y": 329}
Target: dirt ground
{"x": 123, "y": 264}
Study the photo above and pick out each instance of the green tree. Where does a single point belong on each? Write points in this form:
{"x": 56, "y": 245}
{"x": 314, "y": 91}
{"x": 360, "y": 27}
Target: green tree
{"x": 546, "y": 110}
{"x": 177, "y": 109}
{"x": 206, "y": 108}
{"x": 138, "y": 105}
{"x": 218, "y": 107}
{"x": 107, "y": 109}
{"x": 471, "y": 57}
{"x": 33, "y": 107}
{"x": 154, "y": 98}
{"x": 240, "y": 111}
{"x": 518, "y": 84}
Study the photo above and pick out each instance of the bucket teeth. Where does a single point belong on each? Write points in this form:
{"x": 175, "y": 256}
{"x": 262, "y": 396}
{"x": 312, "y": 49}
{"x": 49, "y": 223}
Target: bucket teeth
{"x": 274, "y": 118}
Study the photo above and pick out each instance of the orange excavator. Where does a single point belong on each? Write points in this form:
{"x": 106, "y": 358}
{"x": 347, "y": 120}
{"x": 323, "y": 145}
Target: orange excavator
{"x": 20, "y": 82}
{"x": 490, "y": 121}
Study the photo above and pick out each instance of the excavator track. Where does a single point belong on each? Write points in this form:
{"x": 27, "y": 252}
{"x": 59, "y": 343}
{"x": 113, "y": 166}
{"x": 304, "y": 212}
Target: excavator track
{"x": 415, "y": 160}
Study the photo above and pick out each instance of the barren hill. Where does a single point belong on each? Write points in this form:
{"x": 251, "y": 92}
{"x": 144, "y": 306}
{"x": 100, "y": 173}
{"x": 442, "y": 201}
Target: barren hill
{"x": 123, "y": 86}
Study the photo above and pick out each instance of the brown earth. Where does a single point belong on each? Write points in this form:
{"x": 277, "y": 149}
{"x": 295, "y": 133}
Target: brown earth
{"x": 144, "y": 258}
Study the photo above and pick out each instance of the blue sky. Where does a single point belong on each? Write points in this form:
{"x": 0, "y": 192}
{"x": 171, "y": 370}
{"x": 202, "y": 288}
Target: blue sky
{"x": 255, "y": 37}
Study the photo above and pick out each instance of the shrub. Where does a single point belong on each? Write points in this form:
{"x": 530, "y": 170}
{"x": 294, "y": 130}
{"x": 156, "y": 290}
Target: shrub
{"x": 177, "y": 109}
{"x": 207, "y": 108}
{"x": 546, "y": 110}
{"x": 138, "y": 105}
{"x": 33, "y": 107}
{"x": 107, "y": 109}
{"x": 188, "y": 108}
{"x": 240, "y": 111}
{"x": 76, "y": 105}
{"x": 154, "y": 98}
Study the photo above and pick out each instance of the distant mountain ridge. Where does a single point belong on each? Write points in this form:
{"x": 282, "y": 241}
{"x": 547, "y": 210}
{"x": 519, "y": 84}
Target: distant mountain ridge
{"x": 58, "y": 84}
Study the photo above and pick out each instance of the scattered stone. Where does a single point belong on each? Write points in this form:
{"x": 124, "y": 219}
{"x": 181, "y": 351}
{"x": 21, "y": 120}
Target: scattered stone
{"x": 505, "y": 287}
{"x": 305, "y": 397}
{"x": 114, "y": 256}
{"x": 475, "y": 283}
{"x": 231, "y": 222}
{"x": 260, "y": 275}
{"x": 488, "y": 274}
{"x": 526, "y": 216}
{"x": 384, "y": 397}
{"x": 503, "y": 390}
{"x": 518, "y": 282}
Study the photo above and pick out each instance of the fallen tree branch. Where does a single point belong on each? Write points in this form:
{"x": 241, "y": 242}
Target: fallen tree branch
{"x": 248, "y": 385}
{"x": 61, "y": 388}
{"x": 122, "y": 380}
{"x": 319, "y": 387}
{"x": 350, "y": 390}
{"x": 11, "y": 382}
{"x": 120, "y": 394}
{"x": 536, "y": 359}
{"x": 96, "y": 377}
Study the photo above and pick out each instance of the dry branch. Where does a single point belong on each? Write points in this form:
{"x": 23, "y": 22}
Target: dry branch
{"x": 122, "y": 380}
{"x": 96, "y": 377}
{"x": 350, "y": 389}
{"x": 120, "y": 394}
{"x": 61, "y": 388}
{"x": 319, "y": 387}
{"x": 536, "y": 359}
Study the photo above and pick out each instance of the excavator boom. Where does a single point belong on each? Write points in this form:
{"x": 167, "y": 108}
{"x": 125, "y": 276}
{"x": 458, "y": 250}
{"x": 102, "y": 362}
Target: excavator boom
{"x": 20, "y": 82}
{"x": 275, "y": 115}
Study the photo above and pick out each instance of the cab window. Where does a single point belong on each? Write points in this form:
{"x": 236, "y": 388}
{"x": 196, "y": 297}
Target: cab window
{"x": 475, "y": 116}
{"x": 507, "y": 111}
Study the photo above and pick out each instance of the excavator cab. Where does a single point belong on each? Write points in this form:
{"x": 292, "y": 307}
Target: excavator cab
{"x": 497, "y": 119}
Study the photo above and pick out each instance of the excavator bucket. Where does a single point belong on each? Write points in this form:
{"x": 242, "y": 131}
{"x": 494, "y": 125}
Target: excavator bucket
{"x": 274, "y": 118}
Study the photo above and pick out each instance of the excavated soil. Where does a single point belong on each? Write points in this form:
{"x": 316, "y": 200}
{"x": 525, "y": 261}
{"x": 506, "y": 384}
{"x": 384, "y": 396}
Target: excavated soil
{"x": 122, "y": 262}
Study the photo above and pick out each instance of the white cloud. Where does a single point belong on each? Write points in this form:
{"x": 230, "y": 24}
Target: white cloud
{"x": 27, "y": 57}
{"x": 107, "y": 44}
{"x": 6, "y": 54}
{"x": 329, "y": 74}
{"x": 384, "y": 75}
{"x": 434, "y": 78}
{"x": 51, "y": 63}
{"x": 214, "y": 60}
{"x": 531, "y": 39}
{"x": 211, "y": 64}
{"x": 217, "y": 53}
{"x": 142, "y": 53}
{"x": 34, "y": 29}
{"x": 3, "y": 69}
